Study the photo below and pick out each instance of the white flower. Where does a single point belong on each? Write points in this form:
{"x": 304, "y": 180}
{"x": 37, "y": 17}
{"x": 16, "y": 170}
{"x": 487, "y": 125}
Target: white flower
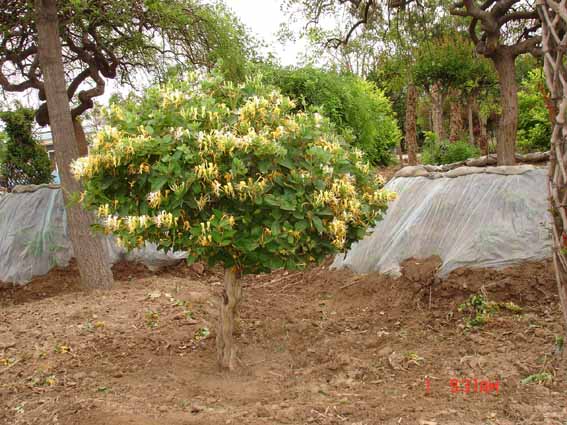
{"x": 154, "y": 199}
{"x": 327, "y": 169}
{"x": 79, "y": 167}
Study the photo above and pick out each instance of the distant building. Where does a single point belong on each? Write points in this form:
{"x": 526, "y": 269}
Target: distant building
{"x": 45, "y": 138}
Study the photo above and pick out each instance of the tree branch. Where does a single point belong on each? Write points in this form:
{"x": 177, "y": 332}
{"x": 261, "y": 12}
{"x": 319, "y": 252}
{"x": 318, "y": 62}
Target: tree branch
{"x": 363, "y": 21}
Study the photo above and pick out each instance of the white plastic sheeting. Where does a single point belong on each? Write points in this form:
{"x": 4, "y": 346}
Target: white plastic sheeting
{"x": 474, "y": 220}
{"x": 33, "y": 238}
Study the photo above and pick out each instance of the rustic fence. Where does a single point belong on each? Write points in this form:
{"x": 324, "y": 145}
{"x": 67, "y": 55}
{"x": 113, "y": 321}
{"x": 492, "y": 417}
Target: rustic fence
{"x": 553, "y": 14}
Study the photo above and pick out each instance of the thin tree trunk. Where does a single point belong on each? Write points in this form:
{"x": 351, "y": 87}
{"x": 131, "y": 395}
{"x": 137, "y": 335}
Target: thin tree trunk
{"x": 456, "y": 119}
{"x": 400, "y": 153}
{"x": 470, "y": 118}
{"x": 80, "y": 137}
{"x": 92, "y": 260}
{"x": 226, "y": 350}
{"x": 508, "y": 124}
{"x": 483, "y": 137}
{"x": 437, "y": 111}
{"x": 411, "y": 124}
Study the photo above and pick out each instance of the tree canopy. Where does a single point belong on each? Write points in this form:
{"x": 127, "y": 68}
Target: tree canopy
{"x": 451, "y": 61}
{"x": 118, "y": 39}
{"x": 231, "y": 175}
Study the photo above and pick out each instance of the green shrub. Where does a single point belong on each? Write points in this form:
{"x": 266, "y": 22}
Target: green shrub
{"x": 231, "y": 175}
{"x": 446, "y": 152}
{"x": 534, "y": 125}
{"x": 22, "y": 159}
{"x": 356, "y": 107}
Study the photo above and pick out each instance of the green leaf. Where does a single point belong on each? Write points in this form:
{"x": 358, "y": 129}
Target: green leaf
{"x": 318, "y": 224}
{"x": 276, "y": 228}
{"x": 287, "y": 162}
{"x": 158, "y": 182}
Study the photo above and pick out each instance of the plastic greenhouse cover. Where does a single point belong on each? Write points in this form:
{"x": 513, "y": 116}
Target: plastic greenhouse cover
{"x": 475, "y": 220}
{"x": 33, "y": 238}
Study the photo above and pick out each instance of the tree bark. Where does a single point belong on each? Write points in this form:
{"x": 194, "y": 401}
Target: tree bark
{"x": 80, "y": 137}
{"x": 411, "y": 124}
{"x": 437, "y": 111}
{"x": 470, "y": 119}
{"x": 508, "y": 125}
{"x": 230, "y": 301}
{"x": 483, "y": 137}
{"x": 92, "y": 260}
{"x": 456, "y": 119}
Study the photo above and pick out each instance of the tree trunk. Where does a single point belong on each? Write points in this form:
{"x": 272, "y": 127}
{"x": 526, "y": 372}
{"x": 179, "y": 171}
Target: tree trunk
{"x": 411, "y": 124}
{"x": 437, "y": 111}
{"x": 92, "y": 260}
{"x": 400, "y": 153}
{"x": 80, "y": 137}
{"x": 226, "y": 350}
{"x": 508, "y": 124}
{"x": 456, "y": 120}
{"x": 483, "y": 137}
{"x": 470, "y": 118}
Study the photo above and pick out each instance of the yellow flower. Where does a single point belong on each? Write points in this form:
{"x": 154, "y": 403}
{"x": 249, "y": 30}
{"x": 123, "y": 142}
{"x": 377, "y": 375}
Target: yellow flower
{"x": 164, "y": 219}
{"x": 242, "y": 186}
{"x": 202, "y": 202}
{"x": 207, "y": 171}
{"x": 133, "y": 223}
{"x": 205, "y": 240}
{"x": 277, "y": 133}
{"x": 103, "y": 210}
{"x": 144, "y": 168}
{"x": 338, "y": 230}
{"x": 228, "y": 189}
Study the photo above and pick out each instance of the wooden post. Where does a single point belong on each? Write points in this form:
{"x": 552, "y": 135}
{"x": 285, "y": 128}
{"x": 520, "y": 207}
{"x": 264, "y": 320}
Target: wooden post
{"x": 228, "y": 313}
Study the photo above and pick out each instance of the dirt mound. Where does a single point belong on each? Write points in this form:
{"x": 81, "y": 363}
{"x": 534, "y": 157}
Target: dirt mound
{"x": 320, "y": 346}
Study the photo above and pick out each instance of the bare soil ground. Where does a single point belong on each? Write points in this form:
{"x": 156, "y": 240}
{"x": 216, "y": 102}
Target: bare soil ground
{"x": 317, "y": 347}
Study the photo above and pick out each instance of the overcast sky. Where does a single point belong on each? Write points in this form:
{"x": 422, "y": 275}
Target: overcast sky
{"x": 263, "y": 18}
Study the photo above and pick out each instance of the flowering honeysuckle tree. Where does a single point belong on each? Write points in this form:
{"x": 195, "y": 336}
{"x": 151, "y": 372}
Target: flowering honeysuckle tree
{"x": 232, "y": 176}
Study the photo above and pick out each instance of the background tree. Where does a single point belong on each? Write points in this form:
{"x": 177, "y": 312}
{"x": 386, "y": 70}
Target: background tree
{"x": 22, "y": 159}
{"x": 356, "y": 107}
{"x": 502, "y": 30}
{"x": 449, "y": 66}
{"x": 232, "y": 176}
{"x": 388, "y": 28}
{"x": 101, "y": 40}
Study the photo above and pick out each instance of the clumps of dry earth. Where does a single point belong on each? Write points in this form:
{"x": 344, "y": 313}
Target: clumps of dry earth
{"x": 317, "y": 347}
